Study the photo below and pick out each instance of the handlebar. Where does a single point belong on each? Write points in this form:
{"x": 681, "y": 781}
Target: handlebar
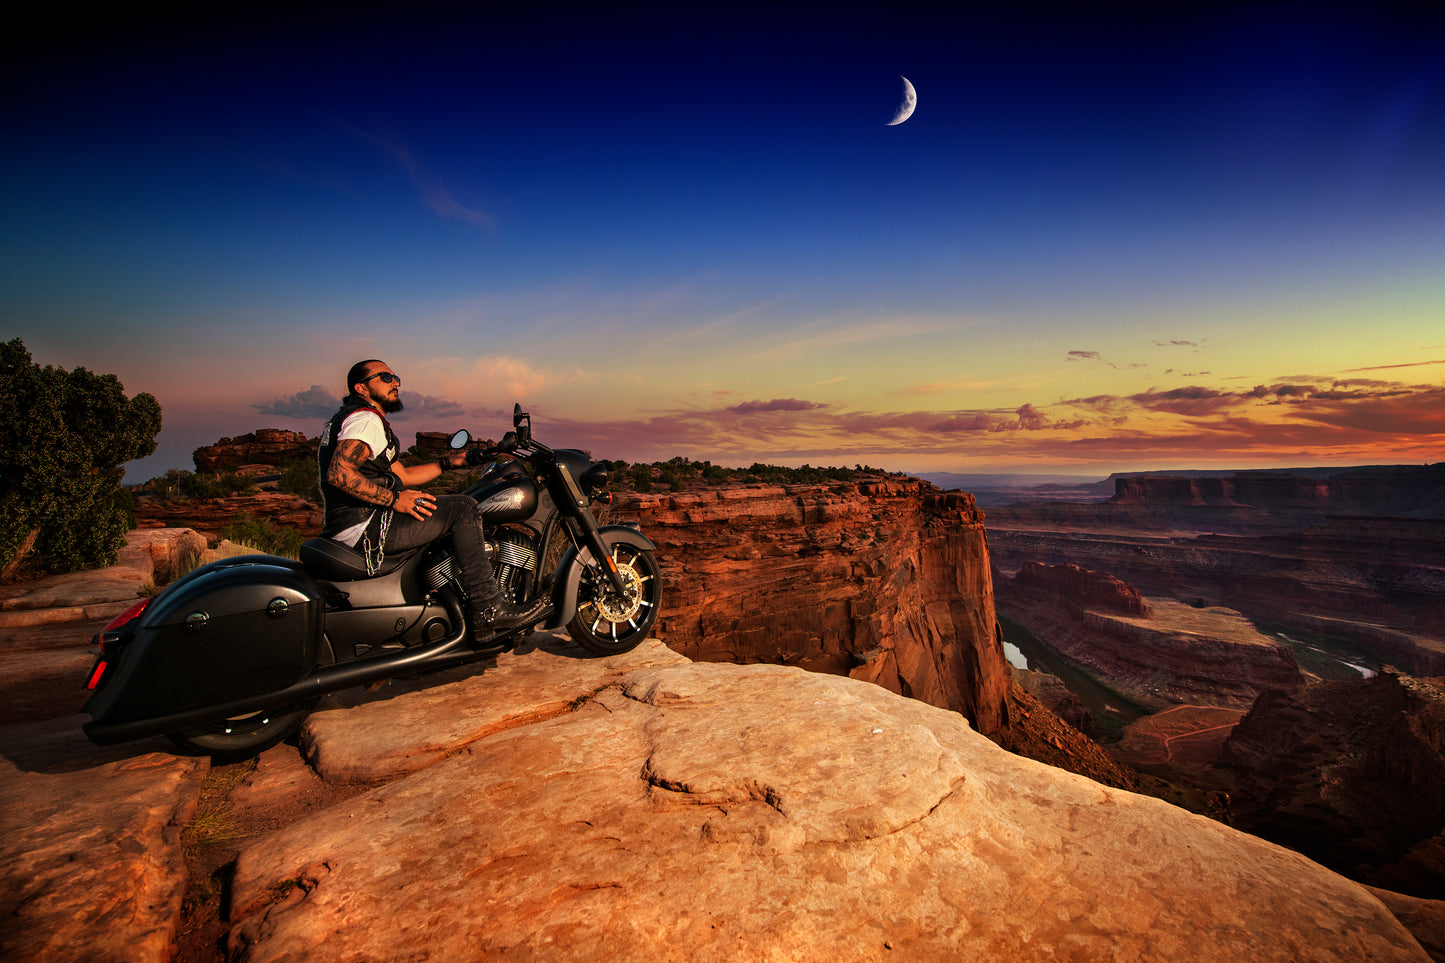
{"x": 508, "y": 444}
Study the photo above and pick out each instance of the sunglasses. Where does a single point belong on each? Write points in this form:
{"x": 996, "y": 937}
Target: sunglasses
{"x": 386, "y": 378}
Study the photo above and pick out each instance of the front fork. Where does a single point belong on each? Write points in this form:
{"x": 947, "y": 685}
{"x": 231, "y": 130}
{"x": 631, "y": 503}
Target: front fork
{"x": 589, "y": 534}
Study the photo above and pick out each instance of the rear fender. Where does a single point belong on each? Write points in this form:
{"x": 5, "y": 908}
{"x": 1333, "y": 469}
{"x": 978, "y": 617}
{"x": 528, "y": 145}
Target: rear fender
{"x": 572, "y": 566}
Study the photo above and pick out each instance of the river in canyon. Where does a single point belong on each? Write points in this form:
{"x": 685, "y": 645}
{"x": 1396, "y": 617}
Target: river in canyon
{"x": 1320, "y": 656}
{"x": 1023, "y": 649}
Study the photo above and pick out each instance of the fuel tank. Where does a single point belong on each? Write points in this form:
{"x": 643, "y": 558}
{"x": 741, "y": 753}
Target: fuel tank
{"x": 235, "y": 628}
{"x": 512, "y": 498}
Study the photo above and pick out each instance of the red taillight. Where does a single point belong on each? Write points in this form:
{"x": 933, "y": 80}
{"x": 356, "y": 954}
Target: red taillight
{"x": 96, "y": 673}
{"x": 128, "y": 615}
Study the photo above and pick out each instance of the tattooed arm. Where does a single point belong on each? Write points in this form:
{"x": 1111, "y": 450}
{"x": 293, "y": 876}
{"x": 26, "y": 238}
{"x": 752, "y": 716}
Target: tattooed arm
{"x": 345, "y": 474}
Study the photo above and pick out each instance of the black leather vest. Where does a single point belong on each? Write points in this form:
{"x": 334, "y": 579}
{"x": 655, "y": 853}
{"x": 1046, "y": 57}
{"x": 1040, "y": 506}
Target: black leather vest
{"x": 343, "y": 510}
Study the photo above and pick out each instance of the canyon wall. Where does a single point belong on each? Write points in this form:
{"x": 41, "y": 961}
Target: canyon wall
{"x": 1352, "y": 774}
{"x": 885, "y": 580}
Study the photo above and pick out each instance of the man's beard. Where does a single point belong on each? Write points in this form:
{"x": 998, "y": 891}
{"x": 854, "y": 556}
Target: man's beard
{"x": 383, "y": 400}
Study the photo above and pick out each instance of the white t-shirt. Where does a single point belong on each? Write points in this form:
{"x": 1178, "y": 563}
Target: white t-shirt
{"x": 366, "y": 427}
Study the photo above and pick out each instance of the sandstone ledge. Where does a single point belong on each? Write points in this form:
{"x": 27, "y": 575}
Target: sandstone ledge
{"x": 719, "y": 812}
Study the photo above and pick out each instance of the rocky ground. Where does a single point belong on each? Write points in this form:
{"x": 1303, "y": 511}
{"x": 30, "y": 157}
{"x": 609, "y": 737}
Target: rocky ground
{"x": 552, "y": 806}
{"x": 612, "y": 792}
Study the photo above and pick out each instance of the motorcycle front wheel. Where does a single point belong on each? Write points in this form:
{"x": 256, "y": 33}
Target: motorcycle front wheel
{"x": 607, "y": 623}
{"x": 241, "y": 736}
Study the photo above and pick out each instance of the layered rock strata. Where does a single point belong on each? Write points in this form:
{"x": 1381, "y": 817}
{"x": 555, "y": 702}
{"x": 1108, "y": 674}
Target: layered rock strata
{"x": 1156, "y": 653}
{"x": 884, "y": 580}
{"x": 210, "y": 517}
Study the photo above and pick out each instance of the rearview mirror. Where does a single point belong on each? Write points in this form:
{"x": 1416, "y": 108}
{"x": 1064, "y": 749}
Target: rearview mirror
{"x": 522, "y": 421}
{"x": 459, "y": 440}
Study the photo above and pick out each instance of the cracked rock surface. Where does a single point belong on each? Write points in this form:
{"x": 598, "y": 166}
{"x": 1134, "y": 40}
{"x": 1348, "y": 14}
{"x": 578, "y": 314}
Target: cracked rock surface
{"x": 91, "y": 869}
{"x": 684, "y": 811}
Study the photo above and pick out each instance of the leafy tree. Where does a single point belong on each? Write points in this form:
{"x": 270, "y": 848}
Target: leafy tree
{"x": 64, "y": 436}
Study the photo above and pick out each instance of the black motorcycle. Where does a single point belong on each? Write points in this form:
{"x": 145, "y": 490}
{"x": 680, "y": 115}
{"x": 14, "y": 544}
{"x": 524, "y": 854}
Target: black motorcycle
{"x": 231, "y": 657}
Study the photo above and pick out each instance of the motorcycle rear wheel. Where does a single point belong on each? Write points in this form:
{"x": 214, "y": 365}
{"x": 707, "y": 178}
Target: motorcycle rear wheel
{"x": 241, "y": 736}
{"x": 608, "y": 624}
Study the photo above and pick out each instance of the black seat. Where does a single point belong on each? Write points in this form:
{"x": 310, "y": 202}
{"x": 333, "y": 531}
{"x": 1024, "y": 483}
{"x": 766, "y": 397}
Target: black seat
{"x": 329, "y": 559}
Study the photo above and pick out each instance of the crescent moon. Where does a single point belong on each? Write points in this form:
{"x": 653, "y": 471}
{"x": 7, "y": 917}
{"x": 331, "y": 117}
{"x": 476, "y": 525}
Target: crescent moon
{"x": 905, "y": 109}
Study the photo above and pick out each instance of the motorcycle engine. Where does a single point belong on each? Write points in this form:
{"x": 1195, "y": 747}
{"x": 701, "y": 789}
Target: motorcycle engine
{"x": 513, "y": 553}
{"x": 439, "y": 568}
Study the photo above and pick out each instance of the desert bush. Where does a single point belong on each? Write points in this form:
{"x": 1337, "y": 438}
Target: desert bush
{"x": 262, "y": 535}
{"x": 301, "y": 477}
{"x": 66, "y": 436}
{"x": 178, "y": 485}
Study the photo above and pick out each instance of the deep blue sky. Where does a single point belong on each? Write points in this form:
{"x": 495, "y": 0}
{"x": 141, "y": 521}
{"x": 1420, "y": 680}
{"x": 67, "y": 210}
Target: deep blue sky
{"x": 691, "y": 233}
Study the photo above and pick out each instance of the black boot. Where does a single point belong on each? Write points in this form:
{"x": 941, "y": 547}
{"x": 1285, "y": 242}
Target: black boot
{"x": 501, "y": 615}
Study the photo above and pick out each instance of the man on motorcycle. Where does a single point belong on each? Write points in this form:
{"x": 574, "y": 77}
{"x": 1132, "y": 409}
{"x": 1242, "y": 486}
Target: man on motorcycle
{"x": 371, "y": 503}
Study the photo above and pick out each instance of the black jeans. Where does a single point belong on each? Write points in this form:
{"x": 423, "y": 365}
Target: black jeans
{"x": 456, "y": 514}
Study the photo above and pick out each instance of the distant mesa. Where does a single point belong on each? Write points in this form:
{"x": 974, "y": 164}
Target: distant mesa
{"x": 265, "y": 448}
{"x": 1385, "y": 490}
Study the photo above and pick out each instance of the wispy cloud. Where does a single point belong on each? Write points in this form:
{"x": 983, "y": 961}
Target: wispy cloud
{"x": 1281, "y": 423}
{"x": 318, "y": 403}
{"x": 1096, "y": 356}
{"x": 500, "y": 377}
{"x": 1408, "y": 364}
{"x": 434, "y": 194}
{"x": 823, "y": 336}
{"x": 939, "y": 388}
{"x": 427, "y": 406}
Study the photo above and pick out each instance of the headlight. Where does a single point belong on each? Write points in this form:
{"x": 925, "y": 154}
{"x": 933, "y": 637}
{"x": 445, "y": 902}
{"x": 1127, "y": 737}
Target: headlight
{"x": 594, "y": 480}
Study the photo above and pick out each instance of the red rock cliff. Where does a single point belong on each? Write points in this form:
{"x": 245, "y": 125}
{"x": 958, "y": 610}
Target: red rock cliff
{"x": 886, "y": 581}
